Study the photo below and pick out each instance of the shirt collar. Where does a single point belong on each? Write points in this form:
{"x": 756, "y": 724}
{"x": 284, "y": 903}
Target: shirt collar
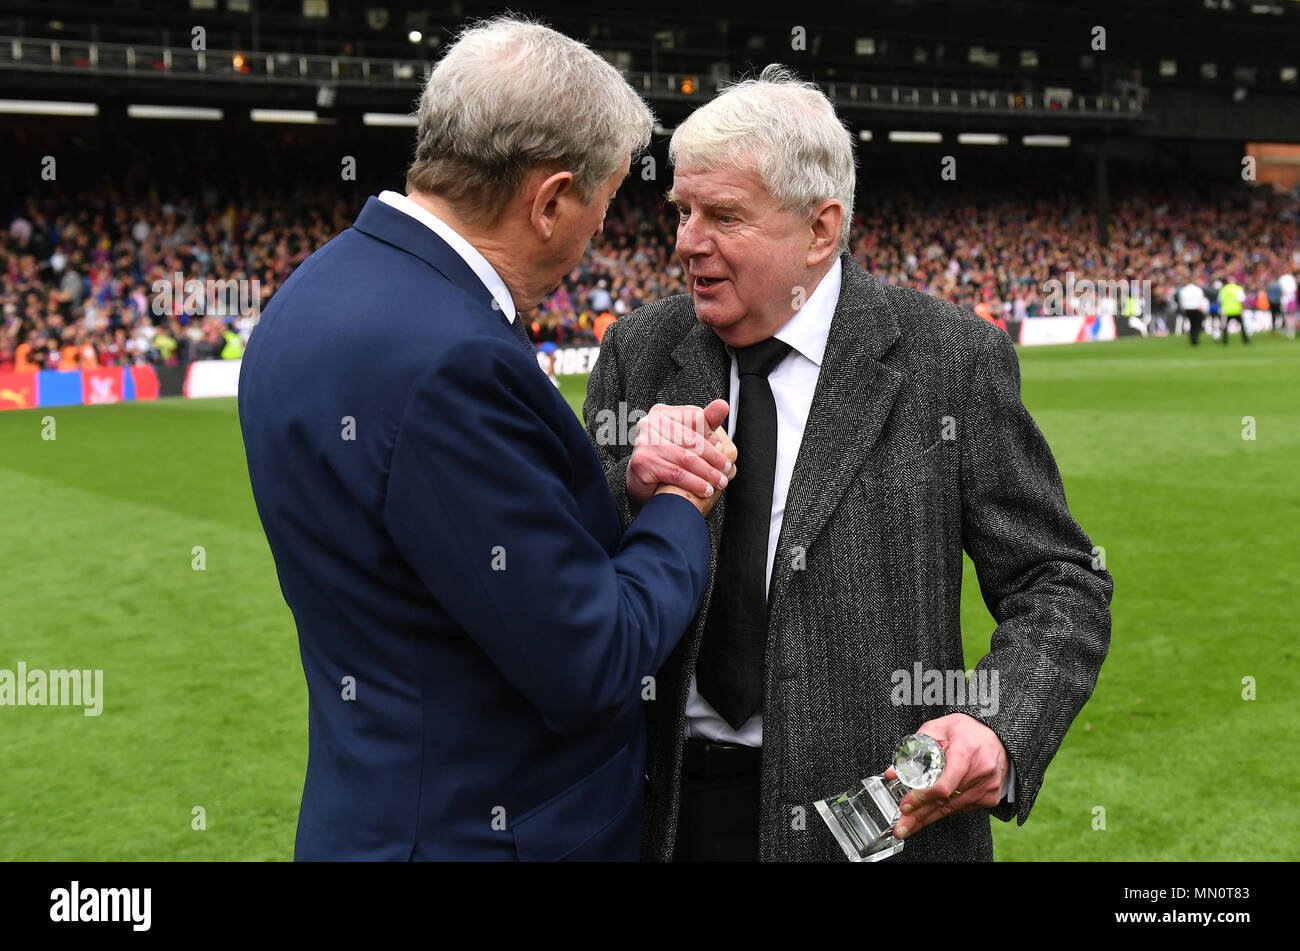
{"x": 471, "y": 256}
{"x": 809, "y": 328}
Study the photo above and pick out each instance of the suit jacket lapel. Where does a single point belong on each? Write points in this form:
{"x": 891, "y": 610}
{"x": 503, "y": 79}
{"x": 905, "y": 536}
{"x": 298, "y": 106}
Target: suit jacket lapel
{"x": 703, "y": 369}
{"x": 854, "y": 395}
{"x": 703, "y": 375}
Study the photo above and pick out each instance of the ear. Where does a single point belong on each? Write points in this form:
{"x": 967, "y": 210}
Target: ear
{"x": 544, "y": 213}
{"x": 827, "y": 219}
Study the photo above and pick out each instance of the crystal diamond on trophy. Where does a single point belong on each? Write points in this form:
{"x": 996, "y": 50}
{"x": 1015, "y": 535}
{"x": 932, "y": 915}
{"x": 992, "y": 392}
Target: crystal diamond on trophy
{"x": 863, "y": 819}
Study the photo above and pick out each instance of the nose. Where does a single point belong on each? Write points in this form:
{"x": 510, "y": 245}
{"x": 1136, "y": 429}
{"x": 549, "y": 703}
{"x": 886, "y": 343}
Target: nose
{"x": 691, "y": 239}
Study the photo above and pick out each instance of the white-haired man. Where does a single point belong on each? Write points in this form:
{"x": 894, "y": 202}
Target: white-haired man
{"x": 882, "y": 433}
{"x": 474, "y": 621}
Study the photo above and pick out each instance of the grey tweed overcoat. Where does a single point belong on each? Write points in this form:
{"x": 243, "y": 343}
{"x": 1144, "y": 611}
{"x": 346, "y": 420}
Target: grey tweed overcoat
{"x": 917, "y": 447}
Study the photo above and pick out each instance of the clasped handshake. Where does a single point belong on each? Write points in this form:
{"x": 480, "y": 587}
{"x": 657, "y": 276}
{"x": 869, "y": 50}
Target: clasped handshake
{"x": 683, "y": 450}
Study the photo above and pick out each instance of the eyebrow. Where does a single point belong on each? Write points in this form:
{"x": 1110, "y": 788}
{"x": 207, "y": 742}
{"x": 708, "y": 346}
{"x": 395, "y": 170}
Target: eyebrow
{"x": 713, "y": 204}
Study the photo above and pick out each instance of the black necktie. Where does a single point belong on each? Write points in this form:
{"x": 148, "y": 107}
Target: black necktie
{"x": 729, "y": 673}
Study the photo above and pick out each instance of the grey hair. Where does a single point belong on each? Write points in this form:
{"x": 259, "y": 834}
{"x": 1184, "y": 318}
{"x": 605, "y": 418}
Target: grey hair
{"x": 511, "y": 95}
{"x": 787, "y": 130}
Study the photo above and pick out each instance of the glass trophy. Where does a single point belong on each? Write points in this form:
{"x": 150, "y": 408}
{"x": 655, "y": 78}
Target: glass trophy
{"x": 862, "y": 820}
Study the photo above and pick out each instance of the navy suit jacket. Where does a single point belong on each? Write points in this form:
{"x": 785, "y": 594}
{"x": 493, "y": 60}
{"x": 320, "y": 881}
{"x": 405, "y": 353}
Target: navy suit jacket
{"x": 475, "y": 626}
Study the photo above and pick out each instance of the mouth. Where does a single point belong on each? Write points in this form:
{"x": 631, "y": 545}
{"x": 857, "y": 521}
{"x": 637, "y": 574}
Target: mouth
{"x": 704, "y": 285}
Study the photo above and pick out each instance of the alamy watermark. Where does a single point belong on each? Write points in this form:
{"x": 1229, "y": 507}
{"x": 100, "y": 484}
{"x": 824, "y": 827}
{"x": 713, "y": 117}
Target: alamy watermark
{"x": 53, "y": 688}
{"x": 77, "y": 904}
{"x": 208, "y": 297}
{"x": 620, "y": 427}
{"x": 949, "y": 688}
{"x": 1086, "y": 297}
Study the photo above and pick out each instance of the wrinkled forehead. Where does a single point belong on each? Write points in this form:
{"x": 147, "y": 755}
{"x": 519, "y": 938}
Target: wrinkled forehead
{"x": 732, "y": 183}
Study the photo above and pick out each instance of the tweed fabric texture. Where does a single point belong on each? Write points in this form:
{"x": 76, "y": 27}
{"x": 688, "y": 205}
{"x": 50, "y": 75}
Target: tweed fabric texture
{"x": 917, "y": 447}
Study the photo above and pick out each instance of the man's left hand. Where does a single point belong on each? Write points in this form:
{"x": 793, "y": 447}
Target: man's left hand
{"x": 975, "y": 768}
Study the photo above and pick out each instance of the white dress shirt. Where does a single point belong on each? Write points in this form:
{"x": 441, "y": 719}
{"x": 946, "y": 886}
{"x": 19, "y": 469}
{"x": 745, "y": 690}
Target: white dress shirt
{"x": 471, "y": 256}
{"x": 793, "y": 382}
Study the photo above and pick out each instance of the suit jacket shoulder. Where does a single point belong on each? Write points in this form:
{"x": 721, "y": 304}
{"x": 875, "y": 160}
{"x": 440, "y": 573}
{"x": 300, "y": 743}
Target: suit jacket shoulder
{"x": 934, "y": 321}
{"x": 654, "y": 328}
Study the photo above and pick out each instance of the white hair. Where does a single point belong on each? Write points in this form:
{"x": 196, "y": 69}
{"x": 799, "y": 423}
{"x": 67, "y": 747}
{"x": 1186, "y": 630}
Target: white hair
{"x": 511, "y": 95}
{"x": 786, "y": 130}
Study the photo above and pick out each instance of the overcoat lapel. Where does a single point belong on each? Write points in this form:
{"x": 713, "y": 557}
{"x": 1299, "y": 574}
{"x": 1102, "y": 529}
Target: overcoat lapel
{"x": 853, "y": 399}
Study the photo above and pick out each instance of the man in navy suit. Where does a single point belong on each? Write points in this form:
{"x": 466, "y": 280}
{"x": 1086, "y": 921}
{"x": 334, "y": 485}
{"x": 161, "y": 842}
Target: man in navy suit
{"x": 476, "y": 627}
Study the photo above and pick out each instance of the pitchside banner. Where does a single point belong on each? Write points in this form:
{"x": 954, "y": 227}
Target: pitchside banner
{"x": 1037, "y": 330}
{"x": 54, "y": 388}
{"x": 207, "y": 378}
{"x": 101, "y": 386}
{"x": 569, "y": 361}
{"x": 77, "y": 387}
{"x": 1046, "y": 330}
{"x": 18, "y": 391}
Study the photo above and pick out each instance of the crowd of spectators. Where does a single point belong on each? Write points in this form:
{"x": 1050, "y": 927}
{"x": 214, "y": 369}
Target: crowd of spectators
{"x": 97, "y": 280}
{"x": 631, "y": 263}
{"x": 1002, "y": 257}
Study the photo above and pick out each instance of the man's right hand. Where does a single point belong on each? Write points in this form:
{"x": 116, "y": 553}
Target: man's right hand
{"x": 684, "y": 447}
{"x": 723, "y": 442}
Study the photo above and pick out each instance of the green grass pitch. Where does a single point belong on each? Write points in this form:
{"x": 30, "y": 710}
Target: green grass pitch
{"x": 205, "y": 705}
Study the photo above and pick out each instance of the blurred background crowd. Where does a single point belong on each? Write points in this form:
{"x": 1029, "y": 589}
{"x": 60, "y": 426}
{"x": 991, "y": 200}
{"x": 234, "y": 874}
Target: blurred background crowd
{"x": 98, "y": 278}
